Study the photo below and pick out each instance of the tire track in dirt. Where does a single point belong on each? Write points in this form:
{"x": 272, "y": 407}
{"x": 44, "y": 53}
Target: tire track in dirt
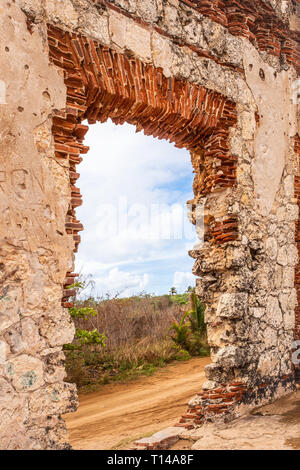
{"x": 118, "y": 414}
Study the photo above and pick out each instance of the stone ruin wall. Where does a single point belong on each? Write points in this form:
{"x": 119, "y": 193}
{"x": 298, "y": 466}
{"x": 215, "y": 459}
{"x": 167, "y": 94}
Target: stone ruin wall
{"x": 213, "y": 76}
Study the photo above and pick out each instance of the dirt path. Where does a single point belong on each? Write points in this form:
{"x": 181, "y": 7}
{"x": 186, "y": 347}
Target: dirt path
{"x": 121, "y": 413}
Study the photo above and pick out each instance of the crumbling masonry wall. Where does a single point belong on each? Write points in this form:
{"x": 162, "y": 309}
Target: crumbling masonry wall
{"x": 217, "y": 77}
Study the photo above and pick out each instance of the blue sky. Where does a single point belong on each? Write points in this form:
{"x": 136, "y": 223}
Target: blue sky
{"x": 136, "y": 233}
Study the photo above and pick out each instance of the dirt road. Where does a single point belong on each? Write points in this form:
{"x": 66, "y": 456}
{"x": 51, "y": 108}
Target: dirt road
{"x": 121, "y": 413}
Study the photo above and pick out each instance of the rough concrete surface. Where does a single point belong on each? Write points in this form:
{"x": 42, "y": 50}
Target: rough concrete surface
{"x": 271, "y": 427}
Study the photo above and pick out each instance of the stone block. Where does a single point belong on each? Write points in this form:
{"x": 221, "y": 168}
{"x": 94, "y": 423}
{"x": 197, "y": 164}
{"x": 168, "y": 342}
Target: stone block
{"x": 161, "y": 439}
{"x": 25, "y": 373}
{"x": 232, "y": 305}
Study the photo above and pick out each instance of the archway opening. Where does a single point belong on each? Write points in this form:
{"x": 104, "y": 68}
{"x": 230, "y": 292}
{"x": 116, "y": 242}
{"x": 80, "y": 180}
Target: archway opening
{"x": 135, "y": 213}
{"x": 133, "y": 258}
{"x": 103, "y": 83}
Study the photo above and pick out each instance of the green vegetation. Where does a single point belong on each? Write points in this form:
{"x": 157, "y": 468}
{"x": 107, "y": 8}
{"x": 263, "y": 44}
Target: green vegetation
{"x": 190, "y": 331}
{"x": 180, "y": 299}
{"x": 84, "y": 337}
{"x": 118, "y": 339}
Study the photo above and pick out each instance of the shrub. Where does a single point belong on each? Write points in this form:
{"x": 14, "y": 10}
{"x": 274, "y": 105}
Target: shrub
{"x": 190, "y": 331}
{"x": 84, "y": 337}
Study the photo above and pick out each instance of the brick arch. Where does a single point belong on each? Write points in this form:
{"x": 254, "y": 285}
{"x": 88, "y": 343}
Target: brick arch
{"x": 102, "y": 83}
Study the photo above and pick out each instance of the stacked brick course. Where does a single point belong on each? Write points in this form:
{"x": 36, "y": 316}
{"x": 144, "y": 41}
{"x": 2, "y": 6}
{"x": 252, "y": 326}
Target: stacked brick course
{"x": 257, "y": 21}
{"x": 213, "y": 403}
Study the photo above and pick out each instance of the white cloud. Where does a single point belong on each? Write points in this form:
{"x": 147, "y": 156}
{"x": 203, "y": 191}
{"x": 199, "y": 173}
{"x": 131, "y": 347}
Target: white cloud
{"x": 183, "y": 279}
{"x": 144, "y": 172}
{"x": 121, "y": 282}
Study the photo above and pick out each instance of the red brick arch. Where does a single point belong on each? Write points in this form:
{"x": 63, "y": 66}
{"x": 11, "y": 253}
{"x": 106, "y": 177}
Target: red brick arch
{"x": 102, "y": 83}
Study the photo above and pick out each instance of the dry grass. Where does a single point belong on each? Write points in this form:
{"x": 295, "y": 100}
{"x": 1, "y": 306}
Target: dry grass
{"x": 138, "y": 341}
{"x": 135, "y": 319}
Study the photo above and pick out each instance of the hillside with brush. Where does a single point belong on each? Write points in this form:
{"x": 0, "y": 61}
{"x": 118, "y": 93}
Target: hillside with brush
{"x": 118, "y": 339}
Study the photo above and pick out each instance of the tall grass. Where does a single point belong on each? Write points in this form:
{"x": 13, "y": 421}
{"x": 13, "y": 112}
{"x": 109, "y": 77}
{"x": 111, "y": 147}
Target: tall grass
{"x": 128, "y": 320}
{"x": 138, "y": 340}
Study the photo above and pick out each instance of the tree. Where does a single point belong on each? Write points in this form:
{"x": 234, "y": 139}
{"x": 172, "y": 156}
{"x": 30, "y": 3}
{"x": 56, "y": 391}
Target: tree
{"x": 173, "y": 291}
{"x": 84, "y": 310}
{"x": 190, "y": 289}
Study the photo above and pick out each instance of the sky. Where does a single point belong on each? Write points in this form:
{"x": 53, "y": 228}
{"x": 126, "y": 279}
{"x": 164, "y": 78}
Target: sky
{"x": 137, "y": 233}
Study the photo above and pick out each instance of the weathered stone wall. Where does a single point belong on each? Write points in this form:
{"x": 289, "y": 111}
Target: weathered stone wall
{"x": 215, "y": 77}
{"x": 35, "y": 251}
